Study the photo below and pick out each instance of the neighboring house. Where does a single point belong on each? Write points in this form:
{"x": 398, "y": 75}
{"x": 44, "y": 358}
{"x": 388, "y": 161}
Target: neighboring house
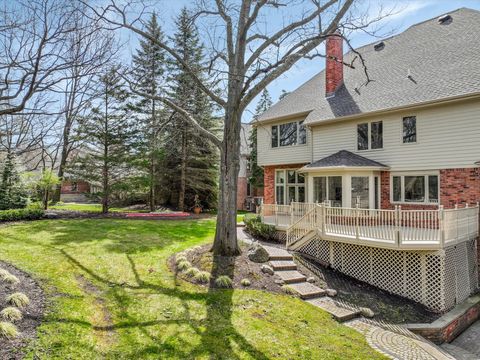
{"x": 75, "y": 190}
{"x": 405, "y": 146}
{"x": 247, "y": 195}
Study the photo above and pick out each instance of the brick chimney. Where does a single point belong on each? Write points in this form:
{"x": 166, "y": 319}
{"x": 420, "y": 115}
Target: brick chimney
{"x": 334, "y": 66}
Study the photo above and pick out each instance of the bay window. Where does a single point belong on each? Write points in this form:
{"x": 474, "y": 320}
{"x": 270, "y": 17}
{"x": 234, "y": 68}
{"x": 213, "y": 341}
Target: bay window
{"x": 288, "y": 134}
{"x": 415, "y": 188}
{"x": 328, "y": 188}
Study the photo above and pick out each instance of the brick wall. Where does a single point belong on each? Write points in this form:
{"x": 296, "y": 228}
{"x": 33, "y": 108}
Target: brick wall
{"x": 334, "y": 66}
{"x": 457, "y": 186}
{"x": 269, "y": 180}
{"x": 241, "y": 193}
{"x": 82, "y": 187}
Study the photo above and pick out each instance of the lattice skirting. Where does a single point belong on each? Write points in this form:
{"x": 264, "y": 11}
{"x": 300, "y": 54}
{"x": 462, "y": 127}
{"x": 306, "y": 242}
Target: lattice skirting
{"x": 437, "y": 279}
{"x": 281, "y": 236}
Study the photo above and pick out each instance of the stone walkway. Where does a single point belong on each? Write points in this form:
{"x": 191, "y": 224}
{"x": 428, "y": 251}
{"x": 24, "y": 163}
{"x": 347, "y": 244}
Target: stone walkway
{"x": 467, "y": 345}
{"x": 391, "y": 340}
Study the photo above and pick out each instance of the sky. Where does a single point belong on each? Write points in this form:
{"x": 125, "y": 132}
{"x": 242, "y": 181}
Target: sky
{"x": 406, "y": 13}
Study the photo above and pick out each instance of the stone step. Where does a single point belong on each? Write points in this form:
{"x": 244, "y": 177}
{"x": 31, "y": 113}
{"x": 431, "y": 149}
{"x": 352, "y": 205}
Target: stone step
{"x": 291, "y": 276}
{"x": 307, "y": 290}
{"x": 277, "y": 253}
{"x": 459, "y": 353}
{"x": 283, "y": 265}
{"x": 334, "y": 308}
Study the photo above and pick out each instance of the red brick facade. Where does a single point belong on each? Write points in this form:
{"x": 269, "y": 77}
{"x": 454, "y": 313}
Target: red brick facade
{"x": 269, "y": 180}
{"x": 457, "y": 186}
{"x": 75, "y": 187}
{"x": 241, "y": 192}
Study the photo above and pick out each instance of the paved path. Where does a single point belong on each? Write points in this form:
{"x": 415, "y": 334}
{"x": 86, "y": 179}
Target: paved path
{"x": 467, "y": 345}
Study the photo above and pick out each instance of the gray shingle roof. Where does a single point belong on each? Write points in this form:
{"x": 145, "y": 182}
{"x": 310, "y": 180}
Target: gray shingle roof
{"x": 443, "y": 61}
{"x": 344, "y": 158}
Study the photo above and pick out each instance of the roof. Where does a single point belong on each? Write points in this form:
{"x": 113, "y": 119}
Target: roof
{"x": 344, "y": 159}
{"x": 441, "y": 59}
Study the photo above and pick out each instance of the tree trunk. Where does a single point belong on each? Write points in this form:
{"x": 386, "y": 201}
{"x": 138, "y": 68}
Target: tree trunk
{"x": 45, "y": 200}
{"x": 225, "y": 242}
{"x": 183, "y": 171}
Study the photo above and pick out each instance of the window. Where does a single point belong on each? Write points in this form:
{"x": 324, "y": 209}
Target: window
{"x": 293, "y": 133}
{"x": 74, "y": 186}
{"x": 289, "y": 186}
{"x": 409, "y": 129}
{"x": 328, "y": 188}
{"x": 275, "y": 136}
{"x": 415, "y": 188}
{"x": 370, "y": 135}
{"x": 360, "y": 191}
{"x": 377, "y": 135}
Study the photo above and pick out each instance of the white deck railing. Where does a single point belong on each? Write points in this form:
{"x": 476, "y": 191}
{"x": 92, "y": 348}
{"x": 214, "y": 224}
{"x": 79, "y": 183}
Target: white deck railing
{"x": 408, "y": 229}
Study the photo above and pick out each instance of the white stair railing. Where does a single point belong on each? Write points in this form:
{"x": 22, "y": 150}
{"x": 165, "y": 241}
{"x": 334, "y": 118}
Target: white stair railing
{"x": 310, "y": 221}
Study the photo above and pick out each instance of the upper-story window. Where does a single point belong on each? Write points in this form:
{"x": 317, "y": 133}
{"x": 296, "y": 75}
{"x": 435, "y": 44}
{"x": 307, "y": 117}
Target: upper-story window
{"x": 292, "y": 133}
{"x": 409, "y": 129}
{"x": 370, "y": 135}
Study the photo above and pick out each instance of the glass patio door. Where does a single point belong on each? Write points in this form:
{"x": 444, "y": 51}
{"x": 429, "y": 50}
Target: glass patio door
{"x": 360, "y": 191}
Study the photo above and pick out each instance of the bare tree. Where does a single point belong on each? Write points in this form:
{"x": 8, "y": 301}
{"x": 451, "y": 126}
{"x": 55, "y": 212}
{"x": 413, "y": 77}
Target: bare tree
{"x": 247, "y": 53}
{"x": 90, "y": 50}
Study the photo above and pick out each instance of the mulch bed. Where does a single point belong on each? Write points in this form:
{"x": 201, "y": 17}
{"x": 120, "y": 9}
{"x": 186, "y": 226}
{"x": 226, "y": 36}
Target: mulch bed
{"x": 71, "y": 214}
{"x": 243, "y": 268}
{"x": 32, "y": 314}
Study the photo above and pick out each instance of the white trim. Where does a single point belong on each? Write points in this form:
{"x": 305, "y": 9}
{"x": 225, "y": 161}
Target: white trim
{"x": 402, "y": 175}
{"x": 369, "y": 136}
{"x": 401, "y": 130}
{"x": 298, "y": 132}
{"x": 344, "y": 168}
{"x": 286, "y": 184}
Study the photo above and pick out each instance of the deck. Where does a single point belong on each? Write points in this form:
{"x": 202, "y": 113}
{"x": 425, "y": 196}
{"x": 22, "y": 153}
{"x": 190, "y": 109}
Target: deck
{"x": 395, "y": 229}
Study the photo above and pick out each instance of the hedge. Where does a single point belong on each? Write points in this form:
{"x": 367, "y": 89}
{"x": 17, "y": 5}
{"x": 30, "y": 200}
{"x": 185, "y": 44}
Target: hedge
{"x": 258, "y": 229}
{"x": 21, "y": 214}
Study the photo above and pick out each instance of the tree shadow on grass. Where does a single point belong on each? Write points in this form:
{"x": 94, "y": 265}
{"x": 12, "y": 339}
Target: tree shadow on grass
{"x": 219, "y": 337}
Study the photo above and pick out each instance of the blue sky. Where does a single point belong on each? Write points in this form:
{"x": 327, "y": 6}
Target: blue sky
{"x": 407, "y": 13}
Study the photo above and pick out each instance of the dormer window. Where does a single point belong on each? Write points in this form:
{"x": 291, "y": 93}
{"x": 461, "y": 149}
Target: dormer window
{"x": 289, "y": 134}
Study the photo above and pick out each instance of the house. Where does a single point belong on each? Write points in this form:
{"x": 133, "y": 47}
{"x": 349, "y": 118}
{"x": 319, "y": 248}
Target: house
{"x": 248, "y": 196}
{"x": 381, "y": 179}
{"x": 75, "y": 191}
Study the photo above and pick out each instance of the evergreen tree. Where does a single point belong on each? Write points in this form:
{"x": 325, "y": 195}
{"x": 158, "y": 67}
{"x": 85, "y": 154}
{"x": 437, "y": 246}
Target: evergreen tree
{"x": 191, "y": 159}
{"x": 149, "y": 71}
{"x": 256, "y": 177}
{"x": 108, "y": 134}
{"x": 283, "y": 94}
{"x": 12, "y": 192}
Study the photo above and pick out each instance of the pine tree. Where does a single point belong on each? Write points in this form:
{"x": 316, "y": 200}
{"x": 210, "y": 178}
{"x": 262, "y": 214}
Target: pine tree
{"x": 12, "y": 192}
{"x": 256, "y": 177}
{"x": 108, "y": 134}
{"x": 190, "y": 159}
{"x": 149, "y": 71}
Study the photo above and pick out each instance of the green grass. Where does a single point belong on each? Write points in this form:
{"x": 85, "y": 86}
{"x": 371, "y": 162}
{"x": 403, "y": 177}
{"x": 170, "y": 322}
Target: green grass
{"x": 112, "y": 296}
{"x": 89, "y": 208}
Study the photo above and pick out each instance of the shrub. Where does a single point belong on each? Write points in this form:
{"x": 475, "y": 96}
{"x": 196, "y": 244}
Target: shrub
{"x": 192, "y": 272}
{"x": 11, "y": 279}
{"x": 4, "y": 273}
{"x": 11, "y": 314}
{"x": 18, "y": 299}
{"x": 202, "y": 277}
{"x": 258, "y": 229}
{"x": 289, "y": 290}
{"x": 8, "y": 330}
{"x": 179, "y": 259}
{"x": 223, "y": 282}
{"x": 184, "y": 265}
{"x": 245, "y": 282}
{"x": 21, "y": 214}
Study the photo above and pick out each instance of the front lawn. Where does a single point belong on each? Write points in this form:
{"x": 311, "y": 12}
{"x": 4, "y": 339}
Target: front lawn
{"x": 90, "y": 207}
{"x": 112, "y": 296}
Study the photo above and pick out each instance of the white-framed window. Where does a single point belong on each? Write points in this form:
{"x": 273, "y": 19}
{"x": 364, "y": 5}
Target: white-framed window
{"x": 409, "y": 129}
{"x": 289, "y": 134}
{"x": 370, "y": 135}
{"x": 415, "y": 188}
{"x": 289, "y": 186}
{"x": 328, "y": 188}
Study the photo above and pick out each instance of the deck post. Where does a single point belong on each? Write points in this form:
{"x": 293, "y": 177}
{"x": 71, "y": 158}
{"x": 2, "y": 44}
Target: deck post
{"x": 441, "y": 225}
{"x": 356, "y": 222}
{"x": 398, "y": 213}
{"x": 276, "y": 214}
